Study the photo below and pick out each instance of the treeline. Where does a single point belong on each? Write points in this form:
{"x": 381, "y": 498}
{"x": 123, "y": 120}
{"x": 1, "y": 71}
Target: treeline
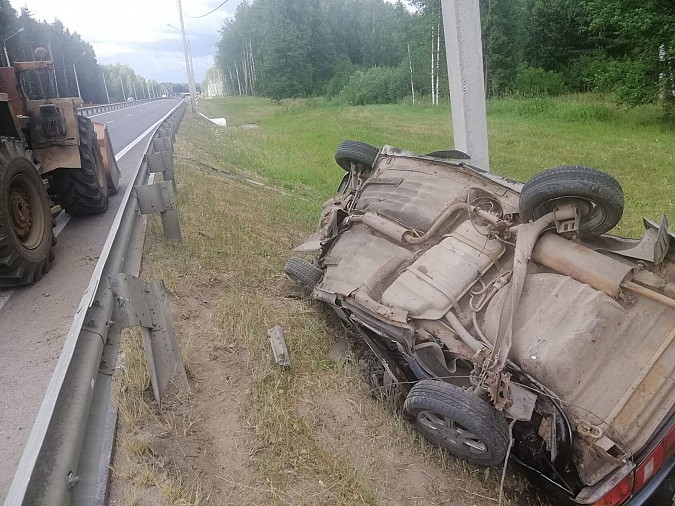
{"x": 370, "y": 51}
{"x": 69, "y": 51}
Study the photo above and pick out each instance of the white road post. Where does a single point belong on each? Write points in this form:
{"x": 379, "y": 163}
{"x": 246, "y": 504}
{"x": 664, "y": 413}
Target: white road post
{"x": 463, "y": 47}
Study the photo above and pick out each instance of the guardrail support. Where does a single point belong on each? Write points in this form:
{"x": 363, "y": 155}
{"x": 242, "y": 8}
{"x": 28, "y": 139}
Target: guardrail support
{"x": 160, "y": 198}
{"x": 162, "y": 161}
{"x": 146, "y": 305}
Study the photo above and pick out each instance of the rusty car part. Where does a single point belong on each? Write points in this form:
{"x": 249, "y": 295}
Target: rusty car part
{"x": 278, "y": 344}
{"x": 438, "y": 224}
{"x": 383, "y": 225}
{"x": 583, "y": 264}
{"x": 650, "y": 294}
{"x": 528, "y": 233}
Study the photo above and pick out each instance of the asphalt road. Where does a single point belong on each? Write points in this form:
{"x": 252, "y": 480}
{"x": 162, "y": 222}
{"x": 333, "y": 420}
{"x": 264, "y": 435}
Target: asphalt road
{"x": 35, "y": 320}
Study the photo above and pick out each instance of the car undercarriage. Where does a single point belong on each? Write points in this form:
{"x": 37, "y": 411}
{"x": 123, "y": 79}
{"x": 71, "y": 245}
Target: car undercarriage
{"x": 508, "y": 307}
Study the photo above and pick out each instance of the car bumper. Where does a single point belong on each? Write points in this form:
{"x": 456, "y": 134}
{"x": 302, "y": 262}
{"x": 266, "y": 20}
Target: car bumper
{"x": 646, "y": 496}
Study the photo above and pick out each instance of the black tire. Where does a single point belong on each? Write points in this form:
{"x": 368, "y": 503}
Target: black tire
{"x": 358, "y": 153}
{"x": 458, "y": 421}
{"x": 83, "y": 191}
{"x": 303, "y": 272}
{"x": 25, "y": 218}
{"x": 600, "y": 193}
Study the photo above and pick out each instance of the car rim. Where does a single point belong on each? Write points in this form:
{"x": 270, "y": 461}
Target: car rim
{"x": 592, "y": 214}
{"x": 25, "y": 216}
{"x": 452, "y": 432}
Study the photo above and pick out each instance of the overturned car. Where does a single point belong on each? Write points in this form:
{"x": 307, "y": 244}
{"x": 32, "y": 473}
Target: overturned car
{"x": 512, "y": 313}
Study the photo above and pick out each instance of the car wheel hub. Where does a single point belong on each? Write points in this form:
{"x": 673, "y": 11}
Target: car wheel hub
{"x": 450, "y": 431}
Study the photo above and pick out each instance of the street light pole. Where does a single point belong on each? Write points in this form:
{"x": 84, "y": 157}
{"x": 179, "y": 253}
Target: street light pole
{"x": 4, "y": 44}
{"x": 107, "y": 96}
{"x": 123, "y": 93}
{"x": 77, "y": 82}
{"x": 191, "y": 83}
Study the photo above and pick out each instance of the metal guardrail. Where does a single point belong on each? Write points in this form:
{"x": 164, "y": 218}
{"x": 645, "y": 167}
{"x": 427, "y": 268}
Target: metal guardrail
{"x": 99, "y": 109}
{"x": 68, "y": 453}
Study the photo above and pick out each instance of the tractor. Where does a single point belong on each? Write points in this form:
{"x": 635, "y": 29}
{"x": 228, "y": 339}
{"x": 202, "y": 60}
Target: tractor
{"x": 51, "y": 159}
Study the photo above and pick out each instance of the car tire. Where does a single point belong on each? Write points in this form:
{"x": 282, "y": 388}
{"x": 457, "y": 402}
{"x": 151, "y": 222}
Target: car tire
{"x": 462, "y": 423}
{"x": 600, "y": 192}
{"x": 303, "y": 272}
{"x": 358, "y": 153}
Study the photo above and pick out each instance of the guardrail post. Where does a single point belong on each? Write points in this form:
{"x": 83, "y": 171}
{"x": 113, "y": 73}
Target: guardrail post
{"x": 160, "y": 198}
{"x": 162, "y": 161}
{"x": 146, "y": 305}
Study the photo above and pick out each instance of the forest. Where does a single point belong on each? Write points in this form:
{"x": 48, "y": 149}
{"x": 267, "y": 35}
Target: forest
{"x": 68, "y": 52}
{"x": 372, "y": 51}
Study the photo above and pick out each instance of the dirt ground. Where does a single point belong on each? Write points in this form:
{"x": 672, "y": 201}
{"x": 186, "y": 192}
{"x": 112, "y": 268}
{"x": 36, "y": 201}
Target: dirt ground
{"x": 249, "y": 432}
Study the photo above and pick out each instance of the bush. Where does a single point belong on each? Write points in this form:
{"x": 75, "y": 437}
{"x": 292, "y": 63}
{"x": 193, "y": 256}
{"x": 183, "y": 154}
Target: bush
{"x": 537, "y": 82}
{"x": 632, "y": 82}
{"x": 582, "y": 74}
{"x": 377, "y": 85}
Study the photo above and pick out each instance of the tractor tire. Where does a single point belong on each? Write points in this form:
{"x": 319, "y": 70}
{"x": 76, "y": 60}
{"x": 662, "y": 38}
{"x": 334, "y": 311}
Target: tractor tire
{"x": 83, "y": 191}
{"x": 26, "y": 236}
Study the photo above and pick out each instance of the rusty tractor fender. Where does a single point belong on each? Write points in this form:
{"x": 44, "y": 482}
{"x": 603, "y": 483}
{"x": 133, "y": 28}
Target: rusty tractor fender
{"x": 112, "y": 170}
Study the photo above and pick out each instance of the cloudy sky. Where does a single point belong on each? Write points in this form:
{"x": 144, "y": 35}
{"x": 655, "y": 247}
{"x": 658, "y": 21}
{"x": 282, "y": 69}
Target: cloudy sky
{"x": 135, "y": 32}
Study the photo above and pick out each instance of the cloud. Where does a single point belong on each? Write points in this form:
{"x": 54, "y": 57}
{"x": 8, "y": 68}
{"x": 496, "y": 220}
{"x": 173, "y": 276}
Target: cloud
{"x": 135, "y": 32}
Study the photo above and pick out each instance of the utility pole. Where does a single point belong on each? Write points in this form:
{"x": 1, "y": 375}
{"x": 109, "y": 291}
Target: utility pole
{"x": 107, "y": 96}
{"x": 77, "y": 82}
{"x": 461, "y": 22}
{"x": 133, "y": 83}
{"x": 122, "y": 85}
{"x": 191, "y": 83}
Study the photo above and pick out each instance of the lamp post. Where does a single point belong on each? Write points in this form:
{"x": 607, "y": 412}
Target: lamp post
{"x": 105, "y": 85}
{"x": 191, "y": 82}
{"x": 189, "y": 66}
{"x": 4, "y": 45}
{"x": 75, "y": 71}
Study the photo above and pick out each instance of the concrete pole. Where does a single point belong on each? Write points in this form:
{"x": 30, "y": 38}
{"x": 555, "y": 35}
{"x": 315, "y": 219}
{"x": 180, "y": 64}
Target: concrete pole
{"x": 464, "y": 51}
{"x": 191, "y": 84}
{"x": 105, "y": 85}
{"x": 77, "y": 83}
{"x": 123, "y": 92}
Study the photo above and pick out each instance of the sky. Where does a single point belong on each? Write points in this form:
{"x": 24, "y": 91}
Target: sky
{"x": 135, "y": 32}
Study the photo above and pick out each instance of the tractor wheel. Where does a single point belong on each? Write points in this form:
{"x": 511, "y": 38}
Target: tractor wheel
{"x": 83, "y": 191}
{"x": 25, "y": 218}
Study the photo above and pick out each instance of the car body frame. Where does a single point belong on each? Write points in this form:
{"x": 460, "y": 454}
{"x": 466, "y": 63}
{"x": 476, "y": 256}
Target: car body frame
{"x": 512, "y": 312}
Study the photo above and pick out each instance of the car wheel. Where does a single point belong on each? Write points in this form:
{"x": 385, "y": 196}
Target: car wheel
{"x": 303, "y": 272}
{"x": 358, "y": 153}
{"x": 458, "y": 421}
{"x": 598, "y": 196}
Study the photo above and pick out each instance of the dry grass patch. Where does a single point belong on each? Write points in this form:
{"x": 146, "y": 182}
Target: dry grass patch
{"x": 250, "y": 432}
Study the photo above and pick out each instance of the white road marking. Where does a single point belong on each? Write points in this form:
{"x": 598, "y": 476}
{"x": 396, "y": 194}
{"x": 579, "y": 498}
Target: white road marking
{"x": 64, "y": 218}
{"x": 111, "y": 121}
{"x": 128, "y": 115}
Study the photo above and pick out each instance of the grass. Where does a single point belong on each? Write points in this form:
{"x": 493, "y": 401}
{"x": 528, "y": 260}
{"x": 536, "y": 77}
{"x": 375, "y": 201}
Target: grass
{"x": 312, "y": 434}
{"x": 296, "y": 142}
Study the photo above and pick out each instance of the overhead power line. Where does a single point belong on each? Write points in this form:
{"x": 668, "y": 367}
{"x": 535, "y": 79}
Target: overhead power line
{"x": 210, "y": 12}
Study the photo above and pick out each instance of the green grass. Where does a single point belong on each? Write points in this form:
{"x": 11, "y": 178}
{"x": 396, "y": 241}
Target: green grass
{"x": 294, "y": 144}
